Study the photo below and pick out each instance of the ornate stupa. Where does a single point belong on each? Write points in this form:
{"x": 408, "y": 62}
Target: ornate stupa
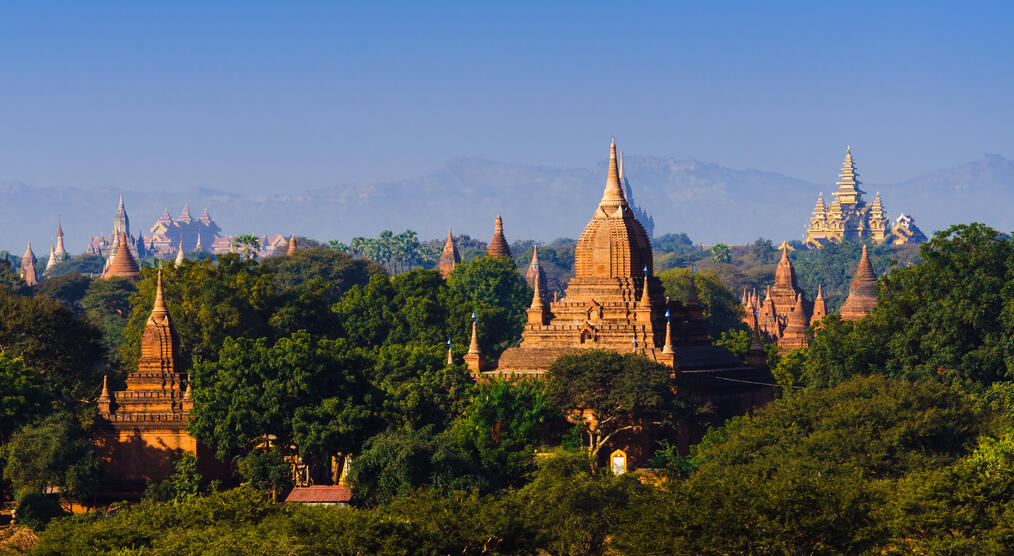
{"x": 449, "y": 258}
{"x": 122, "y": 264}
{"x": 862, "y": 291}
{"x": 498, "y": 245}
{"x": 291, "y": 250}
{"x": 28, "y": 272}
{"x": 848, "y": 217}
{"x": 615, "y": 302}
{"x": 141, "y": 431}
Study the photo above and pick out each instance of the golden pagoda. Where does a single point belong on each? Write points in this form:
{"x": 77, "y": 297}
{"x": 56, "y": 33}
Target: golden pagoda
{"x": 848, "y": 217}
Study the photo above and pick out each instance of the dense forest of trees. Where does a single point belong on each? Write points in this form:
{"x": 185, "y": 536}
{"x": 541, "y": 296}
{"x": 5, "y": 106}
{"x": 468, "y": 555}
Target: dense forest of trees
{"x": 891, "y": 434}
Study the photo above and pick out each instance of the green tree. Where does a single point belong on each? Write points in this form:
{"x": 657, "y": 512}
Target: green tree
{"x": 208, "y": 302}
{"x": 339, "y": 270}
{"x": 609, "y": 394}
{"x": 394, "y": 463}
{"x": 106, "y": 304}
{"x": 495, "y": 289}
{"x": 68, "y": 289}
{"x": 49, "y": 338}
{"x": 722, "y": 309}
{"x": 502, "y": 425}
{"x": 54, "y": 452}
{"x": 720, "y": 253}
{"x": 304, "y": 390}
{"x": 23, "y": 395}
{"x": 763, "y": 250}
{"x": 250, "y": 243}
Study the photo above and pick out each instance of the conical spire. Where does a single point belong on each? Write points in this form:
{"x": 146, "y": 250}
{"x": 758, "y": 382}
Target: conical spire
{"x": 292, "y": 245}
{"x": 28, "y": 272}
{"x": 645, "y": 302}
{"x": 105, "y": 401}
{"x": 848, "y": 182}
{"x": 198, "y": 247}
{"x": 123, "y": 263}
{"x": 159, "y": 306}
{"x": 819, "y": 307}
{"x": 473, "y": 347}
{"x": 474, "y": 359}
{"x": 120, "y": 207}
{"x": 498, "y": 245}
{"x": 61, "y": 253}
{"x": 449, "y": 257}
{"x": 51, "y": 262}
{"x": 862, "y": 291}
{"x": 179, "y": 256}
{"x": 185, "y": 215}
{"x": 450, "y": 354}
{"x": 612, "y": 196}
{"x": 668, "y": 348}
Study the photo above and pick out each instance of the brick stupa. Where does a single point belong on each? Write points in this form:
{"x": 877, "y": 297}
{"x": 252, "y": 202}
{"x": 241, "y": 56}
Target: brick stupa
{"x": 784, "y": 314}
{"x": 862, "y": 293}
{"x": 123, "y": 264}
{"x": 498, "y": 245}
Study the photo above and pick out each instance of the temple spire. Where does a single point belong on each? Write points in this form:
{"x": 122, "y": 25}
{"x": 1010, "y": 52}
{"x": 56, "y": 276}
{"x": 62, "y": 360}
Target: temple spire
{"x": 123, "y": 263}
{"x": 28, "y": 272}
{"x": 159, "y": 306}
{"x": 179, "y": 255}
{"x": 668, "y": 348}
{"x": 474, "y": 359}
{"x": 449, "y": 257}
{"x": 612, "y": 196}
{"x": 61, "y": 252}
{"x": 862, "y": 291}
{"x": 52, "y": 261}
{"x": 292, "y": 245}
{"x": 498, "y": 245}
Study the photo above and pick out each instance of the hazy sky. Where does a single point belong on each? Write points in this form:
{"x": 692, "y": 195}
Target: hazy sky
{"x": 292, "y": 95}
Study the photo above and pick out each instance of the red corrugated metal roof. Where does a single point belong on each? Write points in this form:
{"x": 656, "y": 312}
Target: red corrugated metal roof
{"x": 320, "y": 494}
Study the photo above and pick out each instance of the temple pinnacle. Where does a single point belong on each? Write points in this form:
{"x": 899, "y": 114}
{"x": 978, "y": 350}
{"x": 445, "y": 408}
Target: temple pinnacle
{"x": 612, "y": 196}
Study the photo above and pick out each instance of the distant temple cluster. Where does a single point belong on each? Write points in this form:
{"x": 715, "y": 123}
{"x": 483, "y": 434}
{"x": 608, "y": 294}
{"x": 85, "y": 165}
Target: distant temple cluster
{"x": 784, "y": 314}
{"x": 848, "y": 217}
{"x": 169, "y": 239}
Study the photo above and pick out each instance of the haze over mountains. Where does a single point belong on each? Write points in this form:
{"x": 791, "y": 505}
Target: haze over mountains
{"x": 708, "y": 201}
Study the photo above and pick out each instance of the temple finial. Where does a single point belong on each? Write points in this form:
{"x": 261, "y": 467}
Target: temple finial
{"x": 612, "y": 196}
{"x": 159, "y": 306}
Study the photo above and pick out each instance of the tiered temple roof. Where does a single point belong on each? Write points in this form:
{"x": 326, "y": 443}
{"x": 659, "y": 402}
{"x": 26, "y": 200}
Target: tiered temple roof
{"x": 848, "y": 217}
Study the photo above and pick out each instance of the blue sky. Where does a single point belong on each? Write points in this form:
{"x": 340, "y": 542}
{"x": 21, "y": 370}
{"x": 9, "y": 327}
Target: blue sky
{"x": 263, "y": 96}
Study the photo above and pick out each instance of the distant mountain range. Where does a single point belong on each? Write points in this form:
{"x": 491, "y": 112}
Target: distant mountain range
{"x": 708, "y": 201}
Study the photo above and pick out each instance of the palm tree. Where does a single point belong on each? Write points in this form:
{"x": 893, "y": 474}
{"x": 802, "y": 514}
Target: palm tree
{"x": 251, "y": 245}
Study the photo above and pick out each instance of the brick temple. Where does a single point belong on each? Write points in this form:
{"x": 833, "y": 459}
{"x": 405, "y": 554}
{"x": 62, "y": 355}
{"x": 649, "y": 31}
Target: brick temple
{"x": 141, "y": 431}
{"x": 615, "y": 302}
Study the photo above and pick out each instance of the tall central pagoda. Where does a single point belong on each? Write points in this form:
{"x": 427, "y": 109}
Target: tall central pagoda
{"x": 615, "y": 302}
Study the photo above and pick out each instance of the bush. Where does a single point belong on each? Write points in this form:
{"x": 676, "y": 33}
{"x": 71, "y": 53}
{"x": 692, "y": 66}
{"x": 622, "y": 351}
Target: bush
{"x": 37, "y": 510}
